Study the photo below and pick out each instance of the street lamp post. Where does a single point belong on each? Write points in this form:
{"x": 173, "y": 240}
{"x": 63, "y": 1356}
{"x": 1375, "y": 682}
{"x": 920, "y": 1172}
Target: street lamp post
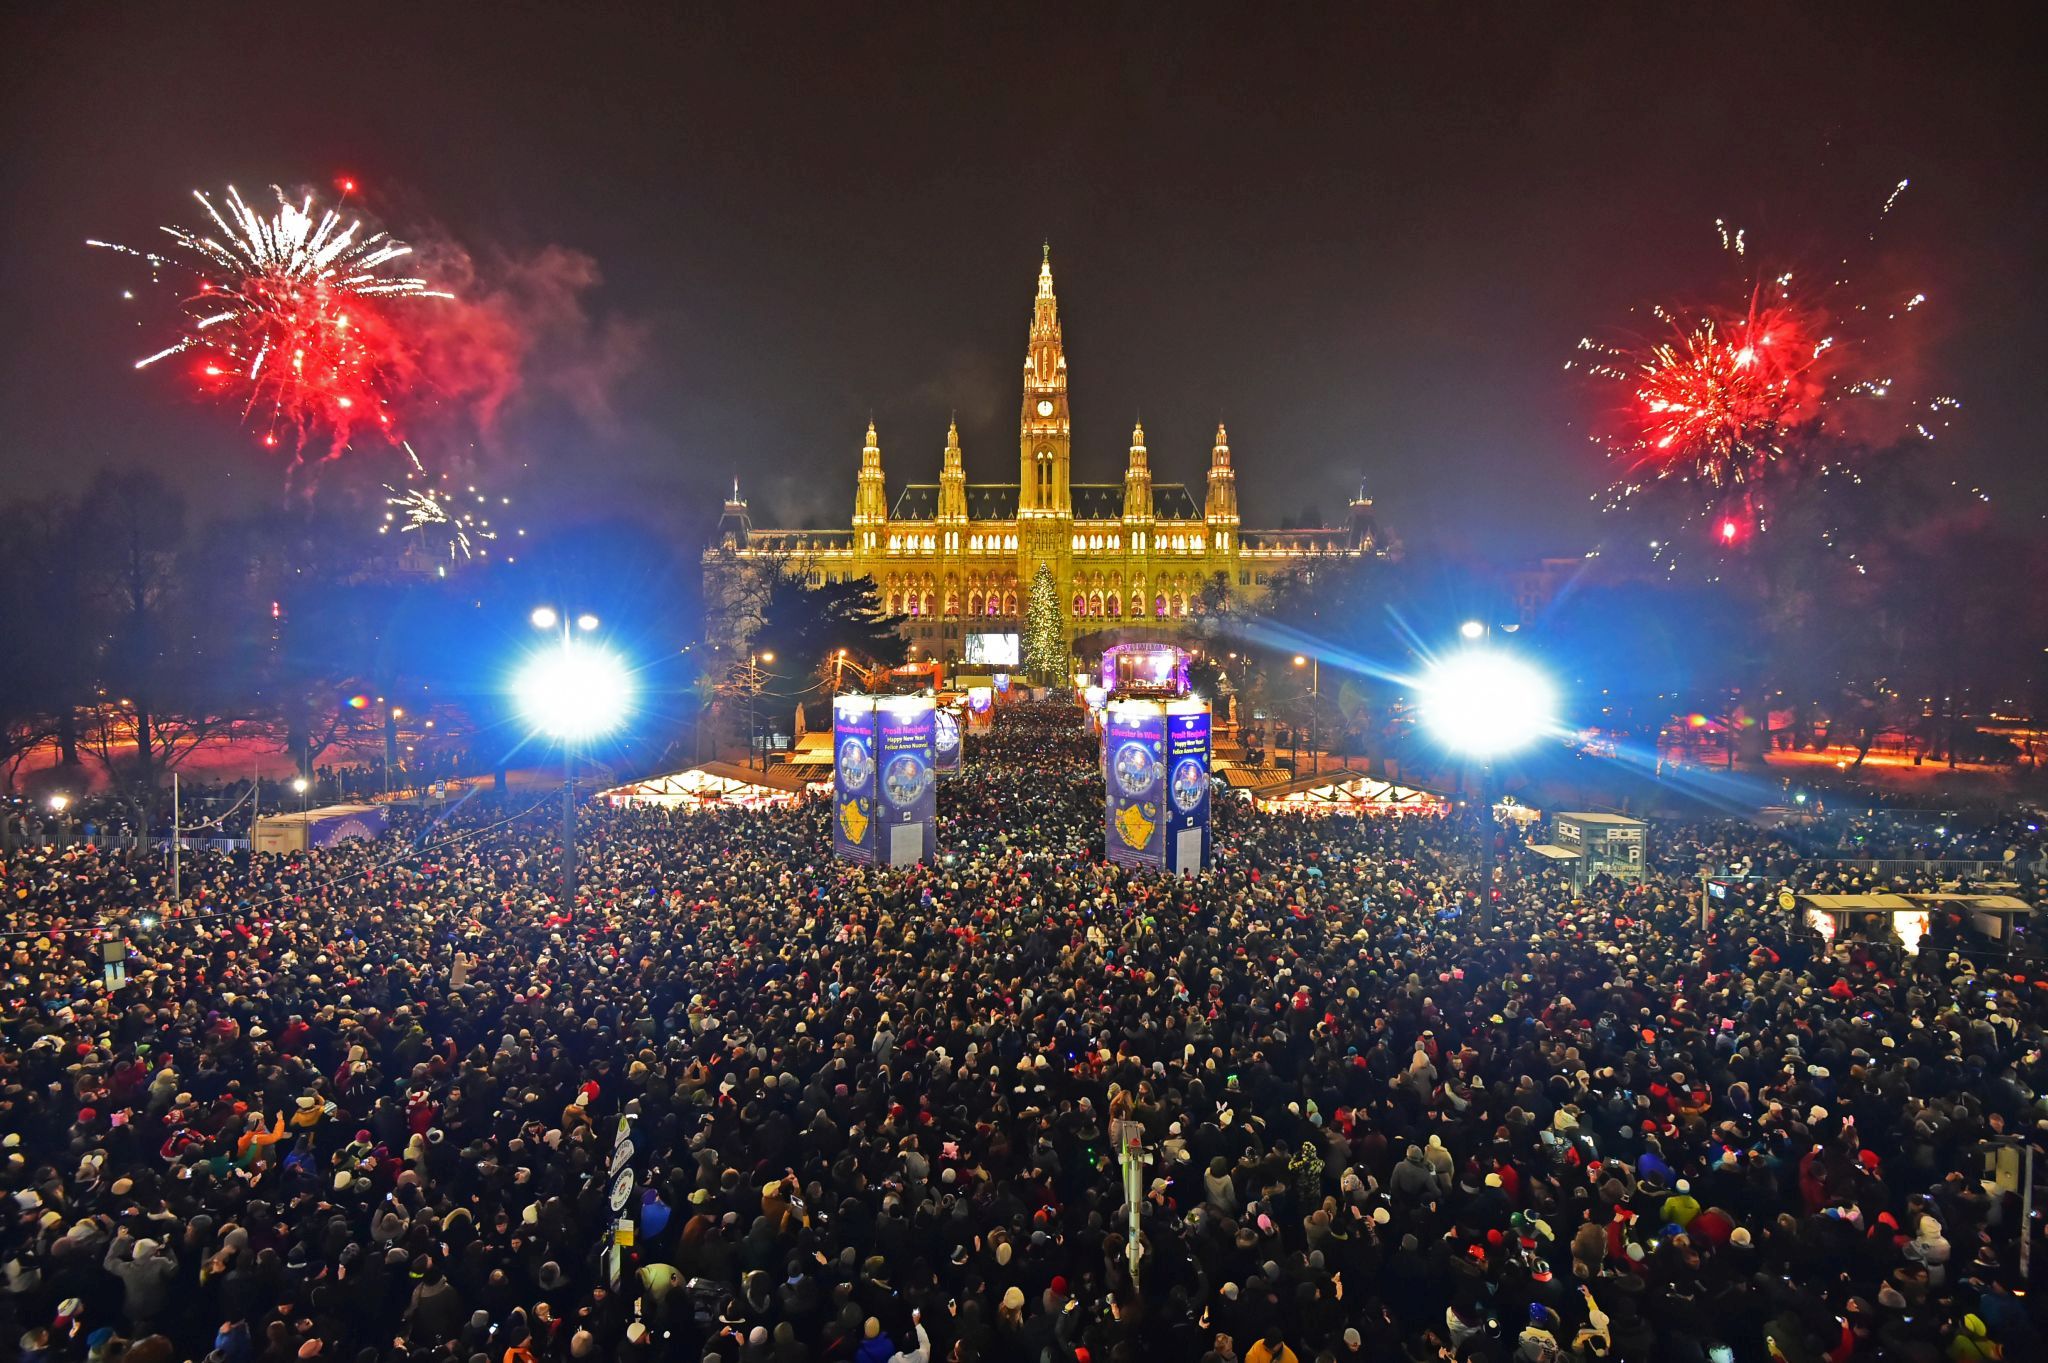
{"x": 59, "y": 804}
{"x": 754, "y": 676}
{"x": 573, "y": 692}
{"x": 1315, "y": 691}
{"x": 1485, "y": 704}
{"x": 301, "y": 785}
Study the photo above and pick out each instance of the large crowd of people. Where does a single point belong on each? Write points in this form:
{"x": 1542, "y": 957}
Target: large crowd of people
{"x": 362, "y": 1104}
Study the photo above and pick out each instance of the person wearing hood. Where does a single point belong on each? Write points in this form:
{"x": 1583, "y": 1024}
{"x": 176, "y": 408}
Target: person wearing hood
{"x": 434, "y": 1314}
{"x": 147, "y": 1269}
{"x": 1414, "y": 1181}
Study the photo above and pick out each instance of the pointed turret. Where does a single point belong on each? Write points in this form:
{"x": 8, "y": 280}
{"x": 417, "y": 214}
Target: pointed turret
{"x": 1365, "y": 530}
{"x": 953, "y": 478}
{"x": 870, "y": 498}
{"x": 1138, "y": 481}
{"x": 734, "y": 526}
{"x": 1221, "y": 510}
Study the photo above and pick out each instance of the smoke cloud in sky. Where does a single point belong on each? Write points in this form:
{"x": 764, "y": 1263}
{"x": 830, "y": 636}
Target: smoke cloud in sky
{"x": 522, "y": 335}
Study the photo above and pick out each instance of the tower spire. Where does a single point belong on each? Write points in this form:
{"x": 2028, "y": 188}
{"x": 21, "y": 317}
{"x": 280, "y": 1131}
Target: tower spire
{"x": 952, "y": 483}
{"x": 1044, "y": 431}
{"x": 734, "y": 527}
{"x": 870, "y": 498}
{"x": 1221, "y": 508}
{"x": 1138, "y": 483}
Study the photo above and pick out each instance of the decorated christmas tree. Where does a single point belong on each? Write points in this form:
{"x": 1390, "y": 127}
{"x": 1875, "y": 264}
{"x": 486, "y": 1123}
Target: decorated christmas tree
{"x": 1045, "y": 648}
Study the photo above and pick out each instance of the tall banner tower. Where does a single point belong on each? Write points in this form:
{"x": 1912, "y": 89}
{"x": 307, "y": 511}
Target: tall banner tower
{"x": 884, "y": 779}
{"x": 1156, "y": 784}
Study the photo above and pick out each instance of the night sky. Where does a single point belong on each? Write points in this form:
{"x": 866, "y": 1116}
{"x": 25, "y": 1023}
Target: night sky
{"x": 1366, "y": 237}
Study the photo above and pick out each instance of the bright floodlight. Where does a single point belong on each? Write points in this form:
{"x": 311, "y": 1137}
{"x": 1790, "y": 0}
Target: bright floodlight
{"x": 1484, "y": 703}
{"x": 574, "y": 691}
{"x": 1471, "y": 629}
{"x": 543, "y": 617}
{"x": 299, "y": 784}
{"x": 586, "y": 622}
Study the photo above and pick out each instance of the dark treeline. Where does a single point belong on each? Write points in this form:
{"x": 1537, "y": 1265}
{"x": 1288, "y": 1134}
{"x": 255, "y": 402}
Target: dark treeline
{"x": 140, "y": 629}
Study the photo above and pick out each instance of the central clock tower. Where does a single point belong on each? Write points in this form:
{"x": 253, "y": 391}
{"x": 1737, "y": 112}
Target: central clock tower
{"x": 1045, "y": 431}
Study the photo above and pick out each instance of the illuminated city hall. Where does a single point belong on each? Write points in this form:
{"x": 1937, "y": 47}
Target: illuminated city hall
{"x": 955, "y": 559}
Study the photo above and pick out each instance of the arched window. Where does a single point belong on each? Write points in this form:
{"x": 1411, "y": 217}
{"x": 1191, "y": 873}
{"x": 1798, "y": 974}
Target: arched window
{"x": 995, "y": 605}
{"x": 1095, "y": 604}
{"x": 927, "y": 603}
{"x": 1116, "y": 606}
{"x": 1180, "y": 604}
{"x": 974, "y": 603}
{"x": 1159, "y": 605}
{"x": 913, "y": 603}
{"x": 1080, "y": 605}
{"x": 892, "y": 607}
{"x": 952, "y": 604}
{"x": 1137, "y": 605}
{"x": 1009, "y": 603}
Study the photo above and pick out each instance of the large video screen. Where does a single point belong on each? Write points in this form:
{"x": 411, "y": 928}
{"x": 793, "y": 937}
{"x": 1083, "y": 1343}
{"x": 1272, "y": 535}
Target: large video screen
{"x": 993, "y": 650}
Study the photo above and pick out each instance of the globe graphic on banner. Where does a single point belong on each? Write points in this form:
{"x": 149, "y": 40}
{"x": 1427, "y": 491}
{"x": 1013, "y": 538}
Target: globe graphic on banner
{"x": 1137, "y": 771}
{"x": 905, "y": 780}
{"x": 945, "y": 730}
{"x": 1190, "y": 784}
{"x": 855, "y": 766}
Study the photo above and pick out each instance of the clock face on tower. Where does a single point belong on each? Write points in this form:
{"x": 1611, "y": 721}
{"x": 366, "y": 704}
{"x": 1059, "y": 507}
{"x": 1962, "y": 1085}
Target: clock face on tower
{"x": 1045, "y": 406}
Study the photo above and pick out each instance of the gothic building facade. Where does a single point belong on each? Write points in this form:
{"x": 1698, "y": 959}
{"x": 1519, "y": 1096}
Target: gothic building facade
{"x": 955, "y": 558}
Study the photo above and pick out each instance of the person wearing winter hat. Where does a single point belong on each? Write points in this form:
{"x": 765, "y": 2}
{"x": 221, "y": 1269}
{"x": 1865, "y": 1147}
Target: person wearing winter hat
{"x": 1271, "y": 1347}
{"x": 147, "y": 1270}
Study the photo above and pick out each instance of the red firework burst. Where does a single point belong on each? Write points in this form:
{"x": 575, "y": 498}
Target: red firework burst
{"x": 295, "y": 317}
{"x": 1717, "y": 403}
{"x": 1726, "y": 407}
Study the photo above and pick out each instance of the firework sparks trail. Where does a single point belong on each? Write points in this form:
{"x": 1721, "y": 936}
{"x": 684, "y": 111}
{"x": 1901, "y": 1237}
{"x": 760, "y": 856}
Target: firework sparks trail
{"x": 1730, "y": 400}
{"x": 296, "y": 315}
{"x": 431, "y": 515}
{"x": 456, "y": 518}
